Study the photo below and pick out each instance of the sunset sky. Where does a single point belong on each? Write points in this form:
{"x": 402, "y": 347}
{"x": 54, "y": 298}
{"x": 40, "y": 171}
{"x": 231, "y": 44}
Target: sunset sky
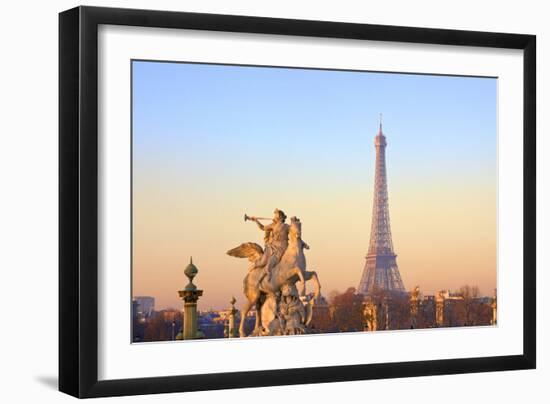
{"x": 211, "y": 143}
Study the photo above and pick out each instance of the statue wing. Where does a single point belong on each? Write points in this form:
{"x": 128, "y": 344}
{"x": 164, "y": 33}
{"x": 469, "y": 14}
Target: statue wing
{"x": 252, "y": 251}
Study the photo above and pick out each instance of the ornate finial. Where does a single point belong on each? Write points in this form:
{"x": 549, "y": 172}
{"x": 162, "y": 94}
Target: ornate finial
{"x": 191, "y": 271}
{"x": 380, "y": 122}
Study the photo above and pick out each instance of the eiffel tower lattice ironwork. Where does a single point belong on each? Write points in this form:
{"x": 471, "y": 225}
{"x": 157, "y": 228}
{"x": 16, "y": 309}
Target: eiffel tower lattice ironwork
{"x": 381, "y": 272}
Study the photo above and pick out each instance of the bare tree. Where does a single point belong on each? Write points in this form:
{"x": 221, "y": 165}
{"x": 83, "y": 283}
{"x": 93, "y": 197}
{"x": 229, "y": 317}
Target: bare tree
{"x": 347, "y": 311}
{"x": 470, "y": 304}
{"x": 156, "y": 329}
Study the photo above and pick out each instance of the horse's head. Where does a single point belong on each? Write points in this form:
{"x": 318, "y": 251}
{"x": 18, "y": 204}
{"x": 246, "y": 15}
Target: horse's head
{"x": 295, "y": 231}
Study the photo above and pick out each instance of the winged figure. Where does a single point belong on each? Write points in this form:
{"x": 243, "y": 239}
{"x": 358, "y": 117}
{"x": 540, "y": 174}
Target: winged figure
{"x": 252, "y": 251}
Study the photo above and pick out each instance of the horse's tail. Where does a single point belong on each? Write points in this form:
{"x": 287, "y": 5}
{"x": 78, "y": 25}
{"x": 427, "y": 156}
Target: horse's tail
{"x": 309, "y": 312}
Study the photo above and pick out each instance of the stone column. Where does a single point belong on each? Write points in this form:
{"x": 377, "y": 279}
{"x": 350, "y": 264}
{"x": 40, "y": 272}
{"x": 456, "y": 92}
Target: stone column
{"x": 440, "y": 308}
{"x": 190, "y": 295}
{"x": 232, "y": 331}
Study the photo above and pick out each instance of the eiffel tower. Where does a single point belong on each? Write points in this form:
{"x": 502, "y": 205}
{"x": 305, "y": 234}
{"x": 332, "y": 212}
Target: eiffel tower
{"x": 381, "y": 272}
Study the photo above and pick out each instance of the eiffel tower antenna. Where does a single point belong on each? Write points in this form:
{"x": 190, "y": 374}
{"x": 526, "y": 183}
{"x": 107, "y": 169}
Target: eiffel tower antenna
{"x": 380, "y": 271}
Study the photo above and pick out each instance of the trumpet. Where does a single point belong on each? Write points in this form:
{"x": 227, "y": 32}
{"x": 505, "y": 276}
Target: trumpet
{"x": 246, "y": 217}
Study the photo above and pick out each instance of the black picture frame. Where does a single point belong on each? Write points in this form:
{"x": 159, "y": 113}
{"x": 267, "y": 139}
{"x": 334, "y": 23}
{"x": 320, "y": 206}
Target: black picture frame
{"x": 78, "y": 200}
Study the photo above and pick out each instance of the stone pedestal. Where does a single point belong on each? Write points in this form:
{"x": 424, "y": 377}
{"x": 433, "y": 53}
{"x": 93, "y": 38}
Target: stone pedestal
{"x": 190, "y": 295}
{"x": 232, "y": 331}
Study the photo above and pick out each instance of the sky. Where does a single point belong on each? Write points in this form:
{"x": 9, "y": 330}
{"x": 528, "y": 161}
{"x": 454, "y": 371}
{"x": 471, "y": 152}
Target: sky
{"x": 213, "y": 142}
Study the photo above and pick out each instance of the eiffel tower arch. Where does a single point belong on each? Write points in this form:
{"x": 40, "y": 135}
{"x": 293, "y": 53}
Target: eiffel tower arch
{"x": 381, "y": 272}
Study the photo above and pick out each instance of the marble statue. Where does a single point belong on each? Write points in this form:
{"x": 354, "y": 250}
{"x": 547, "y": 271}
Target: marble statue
{"x": 293, "y": 314}
{"x": 280, "y": 265}
{"x": 415, "y": 294}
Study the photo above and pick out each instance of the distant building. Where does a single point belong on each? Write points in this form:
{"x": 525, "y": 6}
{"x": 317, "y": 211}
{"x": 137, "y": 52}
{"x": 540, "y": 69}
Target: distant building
{"x": 170, "y": 314}
{"x": 321, "y": 320}
{"x": 211, "y": 325}
{"x": 146, "y": 305}
{"x": 138, "y": 327}
{"x": 223, "y": 315}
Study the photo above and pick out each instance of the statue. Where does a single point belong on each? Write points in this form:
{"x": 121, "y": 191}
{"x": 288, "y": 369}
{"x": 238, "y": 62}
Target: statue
{"x": 415, "y": 292}
{"x": 414, "y": 301}
{"x": 281, "y": 264}
{"x": 276, "y": 241}
{"x": 292, "y": 312}
{"x": 440, "y": 308}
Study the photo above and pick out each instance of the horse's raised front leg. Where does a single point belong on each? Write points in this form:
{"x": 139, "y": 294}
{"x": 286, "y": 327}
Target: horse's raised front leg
{"x": 302, "y": 282}
{"x": 313, "y": 275}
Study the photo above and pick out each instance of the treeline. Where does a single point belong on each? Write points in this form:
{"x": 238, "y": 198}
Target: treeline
{"x": 162, "y": 325}
{"x": 348, "y": 311}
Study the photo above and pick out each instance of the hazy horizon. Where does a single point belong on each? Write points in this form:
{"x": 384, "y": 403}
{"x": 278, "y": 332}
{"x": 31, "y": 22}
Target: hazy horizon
{"x": 212, "y": 142}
